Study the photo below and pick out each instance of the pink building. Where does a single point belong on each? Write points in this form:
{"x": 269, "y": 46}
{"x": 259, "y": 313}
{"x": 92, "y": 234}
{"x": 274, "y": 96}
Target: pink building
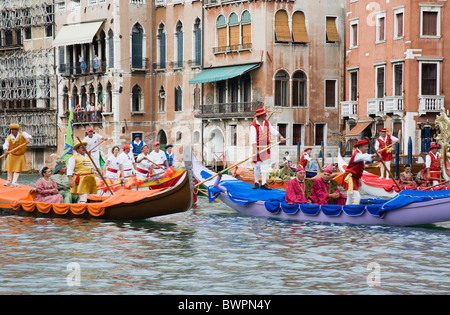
{"x": 395, "y": 61}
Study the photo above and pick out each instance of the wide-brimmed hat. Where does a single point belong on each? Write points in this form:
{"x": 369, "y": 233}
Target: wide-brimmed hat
{"x": 435, "y": 146}
{"x": 360, "y": 143}
{"x": 260, "y": 111}
{"x": 14, "y": 126}
{"x": 307, "y": 149}
{"x": 169, "y": 146}
{"x": 76, "y": 146}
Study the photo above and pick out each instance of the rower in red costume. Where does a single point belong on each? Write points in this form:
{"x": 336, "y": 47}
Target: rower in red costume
{"x": 433, "y": 165}
{"x": 324, "y": 190}
{"x": 354, "y": 171}
{"x": 299, "y": 188}
{"x": 385, "y": 141}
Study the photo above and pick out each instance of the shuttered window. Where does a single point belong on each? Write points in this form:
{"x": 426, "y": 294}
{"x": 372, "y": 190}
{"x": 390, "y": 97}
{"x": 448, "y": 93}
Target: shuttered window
{"x": 222, "y": 39}
{"x": 429, "y": 23}
{"x": 330, "y": 93}
{"x": 246, "y": 28}
{"x": 282, "y": 31}
{"x": 299, "y": 27}
{"x": 332, "y": 34}
{"x": 234, "y": 31}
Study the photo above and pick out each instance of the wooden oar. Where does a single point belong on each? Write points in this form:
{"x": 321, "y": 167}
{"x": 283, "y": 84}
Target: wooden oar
{"x": 96, "y": 168}
{"x": 13, "y": 150}
{"x": 239, "y": 163}
{"x": 446, "y": 182}
{"x": 381, "y": 159}
{"x": 100, "y": 142}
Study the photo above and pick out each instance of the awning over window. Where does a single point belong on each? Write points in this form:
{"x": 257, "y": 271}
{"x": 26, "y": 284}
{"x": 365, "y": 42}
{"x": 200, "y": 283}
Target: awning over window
{"x": 80, "y": 33}
{"x": 358, "y": 129}
{"x": 223, "y": 73}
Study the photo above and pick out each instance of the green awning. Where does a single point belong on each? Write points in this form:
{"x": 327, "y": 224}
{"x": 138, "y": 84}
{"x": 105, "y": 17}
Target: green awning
{"x": 223, "y": 73}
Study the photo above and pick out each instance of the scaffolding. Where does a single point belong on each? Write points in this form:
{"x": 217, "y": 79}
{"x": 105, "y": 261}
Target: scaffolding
{"x": 26, "y": 75}
{"x": 19, "y": 14}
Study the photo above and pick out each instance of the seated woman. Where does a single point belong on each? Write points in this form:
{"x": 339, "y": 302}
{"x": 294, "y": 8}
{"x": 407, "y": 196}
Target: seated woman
{"x": 406, "y": 177}
{"x": 47, "y": 189}
{"x": 62, "y": 181}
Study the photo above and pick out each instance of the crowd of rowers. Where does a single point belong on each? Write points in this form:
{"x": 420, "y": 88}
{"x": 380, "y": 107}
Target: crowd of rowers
{"x": 325, "y": 191}
{"x": 74, "y": 182}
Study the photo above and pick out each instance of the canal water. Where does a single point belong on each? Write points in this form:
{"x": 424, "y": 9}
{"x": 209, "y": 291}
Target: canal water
{"x": 213, "y": 250}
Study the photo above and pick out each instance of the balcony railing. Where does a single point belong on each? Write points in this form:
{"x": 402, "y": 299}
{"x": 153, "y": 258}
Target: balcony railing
{"x": 349, "y": 109}
{"x": 394, "y": 105}
{"x": 375, "y": 107}
{"x": 77, "y": 69}
{"x": 232, "y": 48}
{"x": 138, "y": 64}
{"x": 430, "y": 104}
{"x": 229, "y": 110}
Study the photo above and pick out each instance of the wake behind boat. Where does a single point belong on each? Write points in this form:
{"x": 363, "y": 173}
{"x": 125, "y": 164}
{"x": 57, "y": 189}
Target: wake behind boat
{"x": 409, "y": 207}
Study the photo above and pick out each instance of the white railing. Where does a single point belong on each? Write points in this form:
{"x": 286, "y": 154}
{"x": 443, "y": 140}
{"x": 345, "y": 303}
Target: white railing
{"x": 393, "y": 104}
{"x": 375, "y": 106}
{"x": 430, "y": 104}
{"x": 349, "y": 109}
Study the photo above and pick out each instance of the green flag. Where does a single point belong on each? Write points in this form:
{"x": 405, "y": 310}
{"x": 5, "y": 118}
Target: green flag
{"x": 68, "y": 143}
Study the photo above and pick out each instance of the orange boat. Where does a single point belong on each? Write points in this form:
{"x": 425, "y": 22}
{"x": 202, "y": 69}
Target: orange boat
{"x": 123, "y": 205}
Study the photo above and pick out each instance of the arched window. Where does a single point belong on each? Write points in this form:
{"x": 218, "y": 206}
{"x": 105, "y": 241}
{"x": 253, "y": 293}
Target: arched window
{"x": 281, "y": 88}
{"x": 179, "y": 44}
{"x": 162, "y": 137}
{"x": 233, "y": 23}
{"x": 222, "y": 39}
{"x": 246, "y": 22}
{"x": 161, "y": 54}
{"x": 136, "y": 98}
{"x": 299, "y": 89}
{"x": 109, "y": 102}
{"x": 137, "y": 46}
{"x": 282, "y": 30}
{"x": 197, "y": 43}
{"x": 299, "y": 31}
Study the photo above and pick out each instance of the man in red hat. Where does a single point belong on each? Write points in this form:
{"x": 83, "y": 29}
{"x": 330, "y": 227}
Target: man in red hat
{"x": 325, "y": 191}
{"x": 354, "y": 171}
{"x": 385, "y": 143}
{"x": 306, "y": 157}
{"x": 260, "y": 131}
{"x": 433, "y": 165}
{"x": 298, "y": 189}
{"x": 127, "y": 166}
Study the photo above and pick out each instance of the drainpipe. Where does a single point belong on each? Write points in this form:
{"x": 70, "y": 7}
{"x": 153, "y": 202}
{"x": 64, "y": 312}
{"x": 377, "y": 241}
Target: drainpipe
{"x": 203, "y": 60}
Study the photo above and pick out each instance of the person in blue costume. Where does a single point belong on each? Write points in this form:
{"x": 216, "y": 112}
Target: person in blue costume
{"x": 137, "y": 145}
{"x": 169, "y": 154}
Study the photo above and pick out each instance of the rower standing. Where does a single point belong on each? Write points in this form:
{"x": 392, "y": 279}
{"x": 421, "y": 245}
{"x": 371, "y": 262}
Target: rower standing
{"x": 354, "y": 171}
{"x": 158, "y": 157}
{"x": 92, "y": 139}
{"x": 433, "y": 165}
{"x": 15, "y": 161}
{"x": 260, "y": 131}
{"x": 385, "y": 141}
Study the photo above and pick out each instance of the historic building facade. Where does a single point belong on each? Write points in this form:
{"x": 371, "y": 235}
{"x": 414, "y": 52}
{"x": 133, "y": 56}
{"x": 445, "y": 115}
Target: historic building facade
{"x": 395, "y": 68}
{"x": 285, "y": 56}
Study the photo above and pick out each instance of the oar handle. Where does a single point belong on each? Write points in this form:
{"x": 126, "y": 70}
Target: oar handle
{"x": 239, "y": 163}
{"x": 13, "y": 150}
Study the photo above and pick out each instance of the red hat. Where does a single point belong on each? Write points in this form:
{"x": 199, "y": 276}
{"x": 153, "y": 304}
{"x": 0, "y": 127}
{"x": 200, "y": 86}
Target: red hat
{"x": 382, "y": 129}
{"x": 155, "y": 143}
{"x": 90, "y": 129}
{"x": 435, "y": 146}
{"x": 260, "y": 111}
{"x": 360, "y": 143}
{"x": 307, "y": 149}
{"x": 126, "y": 146}
{"x": 300, "y": 168}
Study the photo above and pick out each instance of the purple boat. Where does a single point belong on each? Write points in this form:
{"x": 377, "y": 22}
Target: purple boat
{"x": 409, "y": 207}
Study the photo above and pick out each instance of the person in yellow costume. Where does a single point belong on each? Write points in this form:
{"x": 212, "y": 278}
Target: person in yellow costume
{"x": 15, "y": 160}
{"x": 81, "y": 173}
